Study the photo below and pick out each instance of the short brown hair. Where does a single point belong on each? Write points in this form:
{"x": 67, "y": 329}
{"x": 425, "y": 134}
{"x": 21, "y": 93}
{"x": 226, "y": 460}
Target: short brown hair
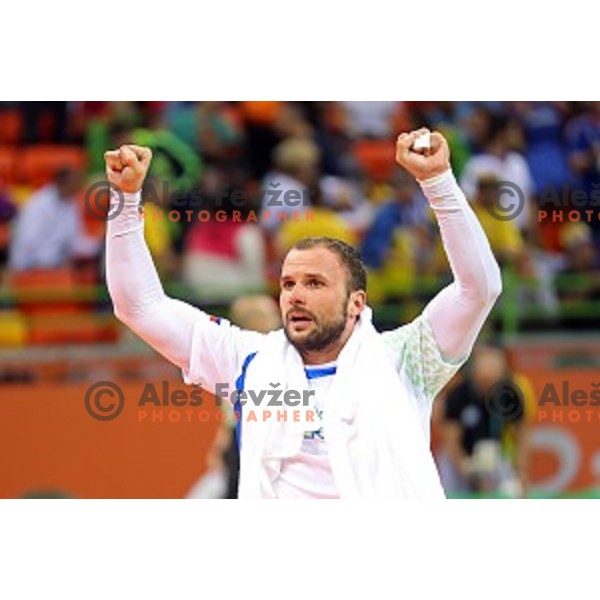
{"x": 350, "y": 258}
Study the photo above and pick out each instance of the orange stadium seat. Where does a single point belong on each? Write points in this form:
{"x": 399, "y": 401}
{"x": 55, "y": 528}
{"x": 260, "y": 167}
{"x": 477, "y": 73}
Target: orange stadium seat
{"x": 38, "y": 164}
{"x": 11, "y": 126}
{"x": 48, "y": 291}
{"x": 7, "y": 165}
{"x": 76, "y": 329}
{"x": 376, "y": 157}
{"x": 58, "y": 307}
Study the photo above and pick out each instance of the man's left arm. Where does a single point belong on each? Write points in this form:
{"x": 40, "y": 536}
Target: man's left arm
{"x": 458, "y": 312}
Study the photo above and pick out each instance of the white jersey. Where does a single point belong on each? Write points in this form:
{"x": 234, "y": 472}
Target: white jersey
{"x": 222, "y": 353}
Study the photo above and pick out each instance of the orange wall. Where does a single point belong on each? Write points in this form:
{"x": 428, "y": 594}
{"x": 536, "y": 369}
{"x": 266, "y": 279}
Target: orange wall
{"x": 565, "y": 439}
{"x": 48, "y": 440}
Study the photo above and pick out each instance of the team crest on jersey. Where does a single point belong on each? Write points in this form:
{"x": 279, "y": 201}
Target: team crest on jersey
{"x": 214, "y": 319}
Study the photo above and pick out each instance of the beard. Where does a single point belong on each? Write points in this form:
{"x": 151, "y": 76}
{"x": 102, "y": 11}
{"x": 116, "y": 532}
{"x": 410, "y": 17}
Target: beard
{"x": 322, "y": 335}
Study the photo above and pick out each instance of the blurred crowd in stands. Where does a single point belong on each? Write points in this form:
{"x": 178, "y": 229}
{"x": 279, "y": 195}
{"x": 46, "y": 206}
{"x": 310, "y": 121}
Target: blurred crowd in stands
{"x": 336, "y": 160}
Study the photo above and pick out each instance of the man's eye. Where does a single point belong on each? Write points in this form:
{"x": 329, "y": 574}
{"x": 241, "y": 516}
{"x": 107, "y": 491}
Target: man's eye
{"x": 314, "y": 283}
{"x": 287, "y": 285}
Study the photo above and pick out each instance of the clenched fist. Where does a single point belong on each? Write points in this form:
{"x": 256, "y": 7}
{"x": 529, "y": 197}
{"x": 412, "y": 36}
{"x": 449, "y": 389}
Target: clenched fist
{"x": 423, "y": 164}
{"x": 127, "y": 167}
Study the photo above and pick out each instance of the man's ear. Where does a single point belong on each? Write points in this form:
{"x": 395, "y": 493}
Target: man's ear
{"x": 358, "y": 301}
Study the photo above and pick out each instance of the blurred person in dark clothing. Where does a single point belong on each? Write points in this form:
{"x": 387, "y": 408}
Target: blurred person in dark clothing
{"x": 500, "y": 159}
{"x": 485, "y": 415}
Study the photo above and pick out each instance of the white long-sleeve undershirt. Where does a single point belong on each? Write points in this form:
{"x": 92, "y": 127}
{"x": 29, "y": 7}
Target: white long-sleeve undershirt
{"x": 456, "y": 314}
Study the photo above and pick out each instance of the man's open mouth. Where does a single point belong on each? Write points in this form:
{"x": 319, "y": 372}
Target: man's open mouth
{"x": 299, "y": 318}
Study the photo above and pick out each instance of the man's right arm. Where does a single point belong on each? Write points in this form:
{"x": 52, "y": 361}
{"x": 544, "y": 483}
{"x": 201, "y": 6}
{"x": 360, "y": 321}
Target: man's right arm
{"x": 207, "y": 351}
{"x": 138, "y": 297}
{"x": 133, "y": 283}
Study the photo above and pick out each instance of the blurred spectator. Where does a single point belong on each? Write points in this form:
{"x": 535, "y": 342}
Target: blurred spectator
{"x": 476, "y": 119}
{"x": 49, "y": 232}
{"x": 484, "y": 421}
{"x": 330, "y": 137}
{"x": 499, "y": 160}
{"x": 207, "y": 127}
{"x": 534, "y": 268}
{"x": 394, "y": 247}
{"x": 319, "y": 220}
{"x": 225, "y": 257}
{"x": 407, "y": 208}
{"x": 258, "y": 313}
{"x": 504, "y": 236}
{"x": 370, "y": 119}
{"x": 286, "y": 189}
{"x": 214, "y": 484}
{"x": 291, "y": 122}
{"x": 346, "y": 198}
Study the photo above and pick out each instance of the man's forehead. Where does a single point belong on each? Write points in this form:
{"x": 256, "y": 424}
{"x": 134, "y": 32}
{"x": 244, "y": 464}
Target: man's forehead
{"x": 312, "y": 261}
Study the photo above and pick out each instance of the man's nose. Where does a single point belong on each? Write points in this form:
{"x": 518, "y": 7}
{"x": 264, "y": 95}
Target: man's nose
{"x": 297, "y": 296}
